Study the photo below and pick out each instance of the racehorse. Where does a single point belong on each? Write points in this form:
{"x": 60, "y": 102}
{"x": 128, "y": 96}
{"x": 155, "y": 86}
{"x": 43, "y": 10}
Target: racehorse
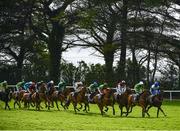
{"x": 17, "y": 96}
{"x": 55, "y": 96}
{"x": 122, "y": 101}
{"x": 5, "y": 96}
{"x": 156, "y": 101}
{"x": 40, "y": 96}
{"x": 58, "y": 96}
{"x": 78, "y": 98}
{"x": 142, "y": 102}
{"x": 27, "y": 99}
{"x": 106, "y": 99}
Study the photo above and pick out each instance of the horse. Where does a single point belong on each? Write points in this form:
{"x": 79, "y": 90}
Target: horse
{"x": 156, "y": 101}
{"x": 6, "y": 96}
{"x": 78, "y": 98}
{"x": 40, "y": 96}
{"x": 122, "y": 100}
{"x": 27, "y": 99}
{"x": 105, "y": 99}
{"x": 142, "y": 102}
{"x": 55, "y": 96}
{"x": 58, "y": 96}
{"x": 17, "y": 96}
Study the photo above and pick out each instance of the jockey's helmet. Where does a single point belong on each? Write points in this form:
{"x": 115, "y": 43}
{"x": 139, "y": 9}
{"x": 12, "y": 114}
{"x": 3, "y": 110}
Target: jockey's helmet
{"x": 156, "y": 84}
{"x": 141, "y": 83}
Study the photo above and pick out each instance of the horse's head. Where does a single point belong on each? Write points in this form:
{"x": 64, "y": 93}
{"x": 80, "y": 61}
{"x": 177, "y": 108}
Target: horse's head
{"x": 84, "y": 90}
{"x": 145, "y": 94}
{"x": 43, "y": 87}
{"x": 52, "y": 89}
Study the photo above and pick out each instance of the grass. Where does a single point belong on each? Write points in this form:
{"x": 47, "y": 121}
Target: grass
{"x": 22, "y": 119}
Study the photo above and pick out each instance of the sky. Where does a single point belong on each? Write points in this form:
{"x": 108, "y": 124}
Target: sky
{"x": 75, "y": 55}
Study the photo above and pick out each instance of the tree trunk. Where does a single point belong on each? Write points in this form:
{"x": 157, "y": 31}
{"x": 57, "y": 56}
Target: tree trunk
{"x": 148, "y": 66}
{"x": 122, "y": 63}
{"x": 179, "y": 72}
{"x": 109, "y": 76}
{"x": 54, "y": 46}
{"x": 155, "y": 64}
{"x": 136, "y": 75}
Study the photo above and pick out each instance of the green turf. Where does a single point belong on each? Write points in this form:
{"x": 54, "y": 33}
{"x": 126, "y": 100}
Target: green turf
{"x": 49, "y": 120}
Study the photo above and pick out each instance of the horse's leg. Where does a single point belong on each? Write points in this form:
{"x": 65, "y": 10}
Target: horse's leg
{"x": 85, "y": 108}
{"x": 19, "y": 102}
{"x": 121, "y": 109}
{"x": 158, "y": 112}
{"x": 52, "y": 103}
{"x": 7, "y": 105}
{"x": 15, "y": 102}
{"x": 148, "y": 108}
{"x": 101, "y": 109}
{"x": 162, "y": 111}
{"x": 106, "y": 109}
{"x": 57, "y": 104}
{"x": 143, "y": 111}
{"x": 113, "y": 109}
{"x": 87, "y": 105}
{"x": 130, "y": 107}
{"x": 127, "y": 109}
{"x": 146, "y": 111}
{"x": 80, "y": 106}
{"x": 63, "y": 105}
{"x": 75, "y": 104}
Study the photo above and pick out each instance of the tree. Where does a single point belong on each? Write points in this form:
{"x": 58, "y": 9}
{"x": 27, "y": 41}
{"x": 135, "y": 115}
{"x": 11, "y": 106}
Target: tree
{"x": 50, "y": 27}
{"x": 16, "y": 40}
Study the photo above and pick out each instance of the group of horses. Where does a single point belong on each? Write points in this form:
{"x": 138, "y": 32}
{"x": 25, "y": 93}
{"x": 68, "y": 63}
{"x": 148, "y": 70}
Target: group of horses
{"x": 84, "y": 97}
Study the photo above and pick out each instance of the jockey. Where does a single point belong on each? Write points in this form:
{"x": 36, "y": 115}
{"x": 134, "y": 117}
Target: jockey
{"x": 121, "y": 88}
{"x": 93, "y": 86}
{"x": 61, "y": 85}
{"x": 139, "y": 87}
{"x": 19, "y": 85}
{"x": 32, "y": 88}
{"x": 102, "y": 86}
{"x": 155, "y": 88}
{"x": 38, "y": 84}
{"x": 27, "y": 85}
{"x": 100, "y": 95}
{"x": 77, "y": 86}
{"x": 50, "y": 84}
{"x": 3, "y": 85}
